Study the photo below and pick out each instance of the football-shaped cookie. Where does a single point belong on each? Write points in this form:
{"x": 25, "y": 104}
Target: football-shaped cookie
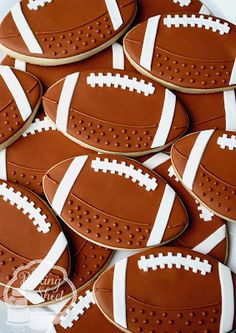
{"x": 39, "y": 148}
{"x": 82, "y": 315}
{"x": 87, "y": 262}
{"x": 57, "y": 32}
{"x": 149, "y": 8}
{"x": 190, "y": 62}
{"x": 29, "y": 232}
{"x": 112, "y": 57}
{"x": 207, "y": 111}
{"x": 207, "y": 233}
{"x": 205, "y": 162}
{"x": 115, "y": 111}
{"x": 168, "y": 290}
{"x": 19, "y": 101}
{"x": 115, "y": 202}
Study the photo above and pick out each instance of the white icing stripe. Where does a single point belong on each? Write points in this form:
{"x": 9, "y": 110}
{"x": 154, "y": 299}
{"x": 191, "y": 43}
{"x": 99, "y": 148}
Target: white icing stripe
{"x": 3, "y": 164}
{"x": 67, "y": 183}
{"x": 115, "y": 14}
{"x": 204, "y": 10}
{"x": 162, "y": 217}
{"x": 233, "y": 74}
{"x": 47, "y": 264}
{"x": 33, "y": 297}
{"x": 195, "y": 157}
{"x": 25, "y": 30}
{"x": 166, "y": 120}
{"x": 156, "y": 160}
{"x": 119, "y": 293}
{"x": 65, "y": 100}
{"x": 230, "y": 110}
{"x": 21, "y": 65}
{"x": 227, "y": 299}
{"x": 149, "y": 42}
{"x": 118, "y": 56}
{"x": 17, "y": 92}
{"x": 212, "y": 241}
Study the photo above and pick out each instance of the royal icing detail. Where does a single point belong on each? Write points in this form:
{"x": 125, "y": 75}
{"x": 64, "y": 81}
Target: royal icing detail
{"x": 28, "y": 207}
{"x": 77, "y": 310}
{"x": 171, "y": 261}
{"x": 39, "y": 126}
{"x": 172, "y": 173}
{"x": 35, "y": 4}
{"x": 206, "y": 214}
{"x": 193, "y": 21}
{"x": 128, "y": 171}
{"x": 183, "y": 3}
{"x": 118, "y": 81}
{"x": 227, "y": 142}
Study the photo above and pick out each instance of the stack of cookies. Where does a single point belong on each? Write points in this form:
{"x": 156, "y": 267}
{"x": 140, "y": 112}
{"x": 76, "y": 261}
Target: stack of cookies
{"x": 117, "y": 132}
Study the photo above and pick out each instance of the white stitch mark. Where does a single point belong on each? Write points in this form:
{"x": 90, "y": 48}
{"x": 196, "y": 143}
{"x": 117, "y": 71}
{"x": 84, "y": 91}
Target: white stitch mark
{"x": 128, "y": 171}
{"x": 169, "y": 261}
{"x": 78, "y": 309}
{"x": 182, "y": 3}
{"x": 227, "y": 142}
{"x": 124, "y": 82}
{"x": 200, "y": 22}
{"x": 27, "y": 207}
{"x": 39, "y": 126}
{"x": 172, "y": 173}
{"x": 206, "y": 214}
{"x": 35, "y": 4}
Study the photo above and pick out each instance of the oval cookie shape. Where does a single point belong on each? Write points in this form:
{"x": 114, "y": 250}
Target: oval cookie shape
{"x": 115, "y": 202}
{"x": 112, "y": 57}
{"x": 115, "y": 111}
{"x": 29, "y": 232}
{"x": 37, "y": 32}
{"x": 169, "y": 298}
{"x": 205, "y": 163}
{"x": 178, "y": 64}
{"x": 207, "y": 232}
{"x": 27, "y": 160}
{"x": 19, "y": 102}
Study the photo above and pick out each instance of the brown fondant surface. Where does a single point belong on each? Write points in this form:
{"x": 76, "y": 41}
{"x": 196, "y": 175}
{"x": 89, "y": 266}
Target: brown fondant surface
{"x": 111, "y": 210}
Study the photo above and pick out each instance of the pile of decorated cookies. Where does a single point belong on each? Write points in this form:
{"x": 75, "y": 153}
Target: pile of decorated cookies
{"x": 117, "y": 132}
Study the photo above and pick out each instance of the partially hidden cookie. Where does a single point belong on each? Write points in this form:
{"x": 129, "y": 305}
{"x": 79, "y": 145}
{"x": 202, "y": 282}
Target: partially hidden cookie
{"x": 207, "y": 111}
{"x": 205, "y": 162}
{"x": 149, "y": 8}
{"x": 168, "y": 290}
{"x": 115, "y": 202}
{"x": 32, "y": 243}
{"x": 87, "y": 262}
{"x": 39, "y": 148}
{"x": 112, "y": 57}
{"x": 19, "y": 101}
{"x": 82, "y": 315}
{"x": 206, "y": 233}
{"x": 55, "y": 32}
{"x": 189, "y": 63}
{"x": 115, "y": 111}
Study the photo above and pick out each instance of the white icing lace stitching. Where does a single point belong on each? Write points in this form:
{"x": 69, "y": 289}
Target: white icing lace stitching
{"x": 77, "y": 310}
{"x": 206, "y": 214}
{"x": 27, "y": 207}
{"x": 227, "y": 142}
{"x": 182, "y": 3}
{"x": 174, "y": 261}
{"x": 172, "y": 173}
{"x": 35, "y": 4}
{"x": 128, "y": 171}
{"x": 124, "y": 82}
{"x": 39, "y": 126}
{"x": 200, "y": 22}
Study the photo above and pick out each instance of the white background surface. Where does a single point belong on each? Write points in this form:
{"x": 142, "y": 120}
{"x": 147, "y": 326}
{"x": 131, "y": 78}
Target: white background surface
{"x": 40, "y": 318}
